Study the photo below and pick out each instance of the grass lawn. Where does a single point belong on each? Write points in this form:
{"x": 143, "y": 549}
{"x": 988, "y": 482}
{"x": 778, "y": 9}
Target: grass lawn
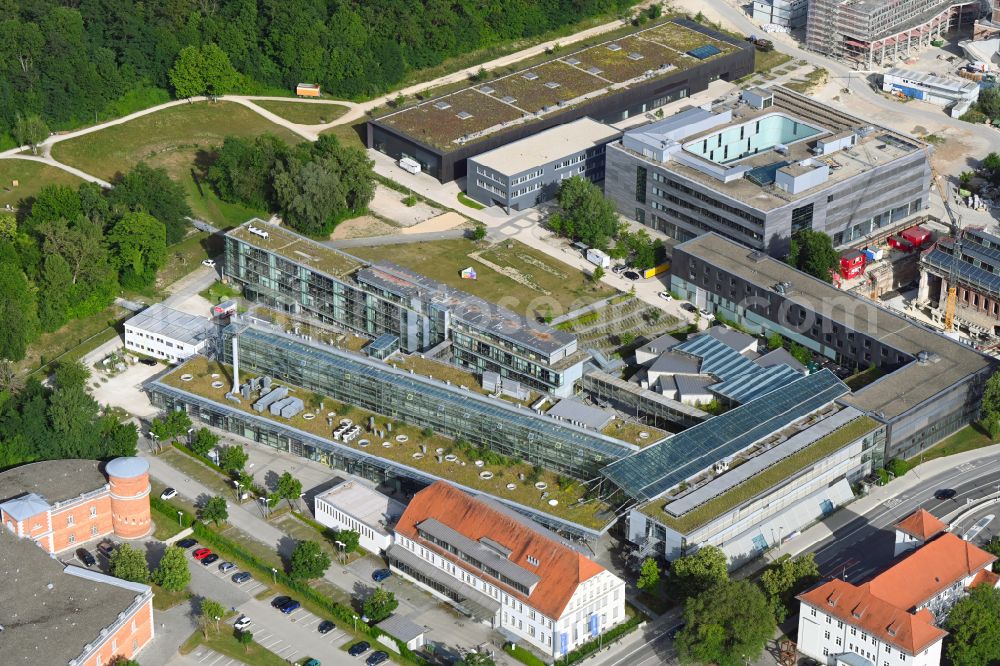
{"x": 200, "y": 473}
{"x": 206, "y": 204}
{"x": 968, "y": 438}
{"x": 187, "y": 255}
{"x": 31, "y": 177}
{"x": 768, "y": 61}
{"x": 542, "y": 282}
{"x": 163, "y": 600}
{"x": 304, "y": 113}
{"x": 75, "y": 339}
{"x": 471, "y": 203}
{"x": 224, "y": 642}
{"x": 349, "y": 134}
{"x": 218, "y": 292}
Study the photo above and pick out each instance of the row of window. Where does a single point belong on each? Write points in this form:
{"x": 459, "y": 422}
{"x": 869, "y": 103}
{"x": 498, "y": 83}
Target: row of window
{"x": 527, "y": 176}
{"x": 344, "y": 519}
{"x": 72, "y": 537}
{"x": 70, "y": 519}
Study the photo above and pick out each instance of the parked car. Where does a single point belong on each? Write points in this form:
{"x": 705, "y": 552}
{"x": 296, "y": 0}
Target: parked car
{"x": 168, "y": 494}
{"x": 86, "y": 557}
{"x": 226, "y": 566}
{"x": 106, "y": 547}
{"x": 311, "y": 662}
{"x": 290, "y": 607}
{"x": 618, "y": 268}
{"x": 380, "y": 575}
{"x": 944, "y": 494}
{"x": 706, "y": 314}
{"x": 326, "y": 627}
{"x": 241, "y": 577}
{"x": 665, "y": 295}
{"x": 280, "y": 601}
{"x": 202, "y": 553}
{"x": 631, "y": 275}
{"x": 209, "y": 559}
{"x": 241, "y": 623}
{"x": 148, "y": 361}
{"x": 358, "y": 649}
{"x": 208, "y": 262}
{"x": 376, "y": 658}
{"x": 187, "y": 543}
{"x": 688, "y": 307}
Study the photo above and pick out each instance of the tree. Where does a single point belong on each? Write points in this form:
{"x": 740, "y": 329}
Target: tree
{"x": 597, "y": 274}
{"x": 211, "y": 612}
{"x": 649, "y": 574}
{"x": 775, "y": 341}
{"x": 121, "y": 660}
{"x": 993, "y": 548}
{"x": 691, "y": 575}
{"x": 8, "y": 226}
{"x": 18, "y": 311}
{"x": 989, "y": 102}
{"x": 129, "y": 563}
{"x": 149, "y": 190}
{"x": 11, "y": 381}
{"x": 204, "y": 441}
{"x": 350, "y": 538}
{"x": 30, "y": 130}
{"x": 990, "y": 410}
{"x": 216, "y": 509}
{"x": 217, "y": 71}
{"x": 476, "y": 659}
{"x": 584, "y": 213}
{"x": 187, "y": 75}
{"x": 991, "y": 165}
{"x": 246, "y": 639}
{"x": 57, "y": 285}
{"x": 479, "y": 232}
{"x": 138, "y": 243}
{"x": 974, "y": 623}
{"x": 726, "y": 625}
{"x": 72, "y": 412}
{"x": 965, "y": 178}
{"x": 289, "y": 488}
{"x": 379, "y": 605}
{"x": 233, "y": 459}
{"x": 785, "y": 578}
{"x": 242, "y": 170}
{"x": 813, "y": 253}
{"x": 172, "y": 574}
{"x": 308, "y": 561}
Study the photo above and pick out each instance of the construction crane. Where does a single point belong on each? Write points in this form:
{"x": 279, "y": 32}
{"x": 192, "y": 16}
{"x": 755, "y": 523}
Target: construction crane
{"x": 956, "y": 228}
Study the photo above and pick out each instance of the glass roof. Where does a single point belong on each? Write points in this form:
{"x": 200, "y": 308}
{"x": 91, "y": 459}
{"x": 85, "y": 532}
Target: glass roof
{"x": 653, "y": 471}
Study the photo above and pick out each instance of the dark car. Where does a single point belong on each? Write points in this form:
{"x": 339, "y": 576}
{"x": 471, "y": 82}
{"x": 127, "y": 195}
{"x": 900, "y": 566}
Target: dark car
{"x": 380, "y": 575}
{"x": 376, "y": 658}
{"x": 84, "y": 556}
{"x": 631, "y": 275}
{"x": 311, "y": 662}
{"x": 672, "y": 634}
{"x": 280, "y": 601}
{"x": 241, "y": 577}
{"x": 106, "y": 547}
{"x": 147, "y": 361}
{"x": 326, "y": 627}
{"x": 944, "y": 494}
{"x": 210, "y": 559}
{"x": 187, "y": 543}
{"x": 290, "y": 607}
{"x": 358, "y": 649}
{"x": 689, "y": 307}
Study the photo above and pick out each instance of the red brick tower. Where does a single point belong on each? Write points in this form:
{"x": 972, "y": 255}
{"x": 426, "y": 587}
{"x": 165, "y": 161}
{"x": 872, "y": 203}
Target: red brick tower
{"x": 129, "y": 479}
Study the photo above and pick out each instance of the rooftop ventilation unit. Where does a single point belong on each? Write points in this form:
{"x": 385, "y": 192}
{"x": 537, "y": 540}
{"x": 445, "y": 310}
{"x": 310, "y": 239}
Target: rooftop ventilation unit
{"x": 530, "y": 76}
{"x": 552, "y": 85}
{"x": 507, "y": 99}
{"x": 571, "y": 61}
{"x": 442, "y": 105}
{"x": 489, "y": 90}
{"x": 258, "y": 232}
{"x": 614, "y": 47}
{"x": 463, "y": 115}
{"x": 595, "y": 70}
{"x": 635, "y": 56}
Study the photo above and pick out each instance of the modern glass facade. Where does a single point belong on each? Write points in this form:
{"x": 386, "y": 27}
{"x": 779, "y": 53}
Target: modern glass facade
{"x": 503, "y": 428}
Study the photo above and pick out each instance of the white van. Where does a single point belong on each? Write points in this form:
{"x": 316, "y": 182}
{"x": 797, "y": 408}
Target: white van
{"x": 409, "y": 164}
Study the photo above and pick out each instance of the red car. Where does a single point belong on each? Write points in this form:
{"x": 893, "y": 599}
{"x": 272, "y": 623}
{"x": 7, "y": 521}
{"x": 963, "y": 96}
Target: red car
{"x": 202, "y": 553}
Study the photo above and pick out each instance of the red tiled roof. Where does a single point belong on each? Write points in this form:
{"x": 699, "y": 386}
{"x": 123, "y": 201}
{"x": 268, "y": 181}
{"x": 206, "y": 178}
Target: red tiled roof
{"x": 860, "y": 608}
{"x": 929, "y": 569}
{"x": 921, "y": 524}
{"x": 985, "y": 577}
{"x": 561, "y": 569}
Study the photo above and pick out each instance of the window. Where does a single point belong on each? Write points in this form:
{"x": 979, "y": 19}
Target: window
{"x": 69, "y": 520}
{"x": 93, "y": 512}
{"x": 802, "y": 218}
{"x": 640, "y": 184}
{"x": 812, "y": 611}
{"x": 826, "y": 635}
{"x": 93, "y": 530}
{"x": 72, "y": 538}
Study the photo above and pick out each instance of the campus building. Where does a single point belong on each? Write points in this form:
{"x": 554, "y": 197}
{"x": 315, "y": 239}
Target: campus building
{"x": 167, "y": 334}
{"x": 866, "y": 33}
{"x": 930, "y": 386}
{"x": 530, "y": 584}
{"x": 785, "y": 13}
{"x": 53, "y": 613}
{"x": 527, "y": 172}
{"x": 896, "y": 617}
{"x": 762, "y": 169}
{"x": 61, "y": 504}
{"x": 292, "y": 274}
{"x": 959, "y": 94}
{"x": 746, "y": 478}
{"x": 609, "y": 82}
{"x": 350, "y": 505}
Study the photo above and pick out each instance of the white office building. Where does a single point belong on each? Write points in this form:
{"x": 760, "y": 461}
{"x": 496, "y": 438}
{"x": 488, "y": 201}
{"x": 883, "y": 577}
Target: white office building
{"x": 350, "y": 505}
{"x": 503, "y": 570}
{"x": 167, "y": 334}
{"x": 960, "y": 94}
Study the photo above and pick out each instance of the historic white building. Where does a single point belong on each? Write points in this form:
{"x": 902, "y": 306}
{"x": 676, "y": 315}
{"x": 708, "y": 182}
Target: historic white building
{"x": 502, "y": 569}
{"x": 895, "y": 617}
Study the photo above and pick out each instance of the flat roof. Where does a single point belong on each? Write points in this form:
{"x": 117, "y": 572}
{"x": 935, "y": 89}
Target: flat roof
{"x": 371, "y": 507}
{"x": 50, "y": 612}
{"x": 53, "y": 480}
{"x": 548, "y": 146}
{"x": 946, "y": 82}
{"x": 875, "y": 148}
{"x": 401, "y": 628}
{"x": 159, "y": 319}
{"x": 577, "y": 412}
{"x": 891, "y": 395}
{"x": 525, "y": 96}
{"x": 296, "y": 247}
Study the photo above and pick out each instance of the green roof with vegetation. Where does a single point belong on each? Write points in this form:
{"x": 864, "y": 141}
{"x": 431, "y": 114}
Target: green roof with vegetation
{"x": 297, "y": 248}
{"x": 769, "y": 478}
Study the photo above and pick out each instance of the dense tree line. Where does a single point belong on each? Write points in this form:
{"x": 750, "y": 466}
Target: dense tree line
{"x": 60, "y": 421}
{"x": 312, "y": 185}
{"x": 67, "y": 61}
{"x": 72, "y": 249}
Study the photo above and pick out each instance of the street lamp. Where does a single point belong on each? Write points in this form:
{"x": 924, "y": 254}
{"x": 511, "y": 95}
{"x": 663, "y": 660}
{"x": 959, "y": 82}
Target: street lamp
{"x": 355, "y": 622}
{"x": 179, "y": 514}
{"x": 237, "y": 490}
{"x": 274, "y": 575}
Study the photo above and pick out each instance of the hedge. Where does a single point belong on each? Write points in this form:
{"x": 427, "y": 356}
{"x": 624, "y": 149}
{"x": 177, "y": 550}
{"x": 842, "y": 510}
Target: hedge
{"x": 168, "y": 510}
{"x": 522, "y": 655}
{"x": 604, "y": 640}
{"x": 248, "y": 560}
{"x": 202, "y": 459}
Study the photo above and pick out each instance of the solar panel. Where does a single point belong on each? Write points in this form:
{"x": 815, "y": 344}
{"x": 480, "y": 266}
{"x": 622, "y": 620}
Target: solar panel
{"x": 653, "y": 471}
{"x": 703, "y": 52}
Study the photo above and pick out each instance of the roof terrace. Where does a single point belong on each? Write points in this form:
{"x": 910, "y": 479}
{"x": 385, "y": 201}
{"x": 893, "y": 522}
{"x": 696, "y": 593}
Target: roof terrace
{"x": 297, "y": 248}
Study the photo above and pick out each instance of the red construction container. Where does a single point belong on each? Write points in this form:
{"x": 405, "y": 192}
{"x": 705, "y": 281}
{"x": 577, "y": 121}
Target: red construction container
{"x": 917, "y": 236}
{"x": 852, "y": 264}
{"x": 900, "y": 243}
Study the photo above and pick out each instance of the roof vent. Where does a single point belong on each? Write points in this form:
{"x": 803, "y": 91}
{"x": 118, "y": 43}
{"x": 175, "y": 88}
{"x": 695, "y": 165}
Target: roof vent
{"x": 595, "y": 70}
{"x": 614, "y": 47}
{"x": 507, "y": 99}
{"x": 635, "y": 56}
{"x": 530, "y": 76}
{"x": 756, "y": 255}
{"x": 48, "y": 586}
{"x": 551, "y": 85}
{"x": 571, "y": 61}
{"x": 922, "y": 356}
{"x": 442, "y": 105}
{"x": 463, "y": 115}
{"x": 488, "y": 90}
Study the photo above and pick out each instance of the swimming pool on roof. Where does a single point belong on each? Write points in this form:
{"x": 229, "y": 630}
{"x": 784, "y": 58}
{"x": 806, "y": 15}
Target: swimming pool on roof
{"x": 760, "y": 134}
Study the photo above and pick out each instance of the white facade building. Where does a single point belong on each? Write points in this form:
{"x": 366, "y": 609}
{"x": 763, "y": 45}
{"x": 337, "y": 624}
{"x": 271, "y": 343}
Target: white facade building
{"x": 786, "y": 13}
{"x": 943, "y": 91}
{"x": 895, "y": 617}
{"x": 498, "y": 567}
{"x": 349, "y": 505}
{"x": 168, "y": 334}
